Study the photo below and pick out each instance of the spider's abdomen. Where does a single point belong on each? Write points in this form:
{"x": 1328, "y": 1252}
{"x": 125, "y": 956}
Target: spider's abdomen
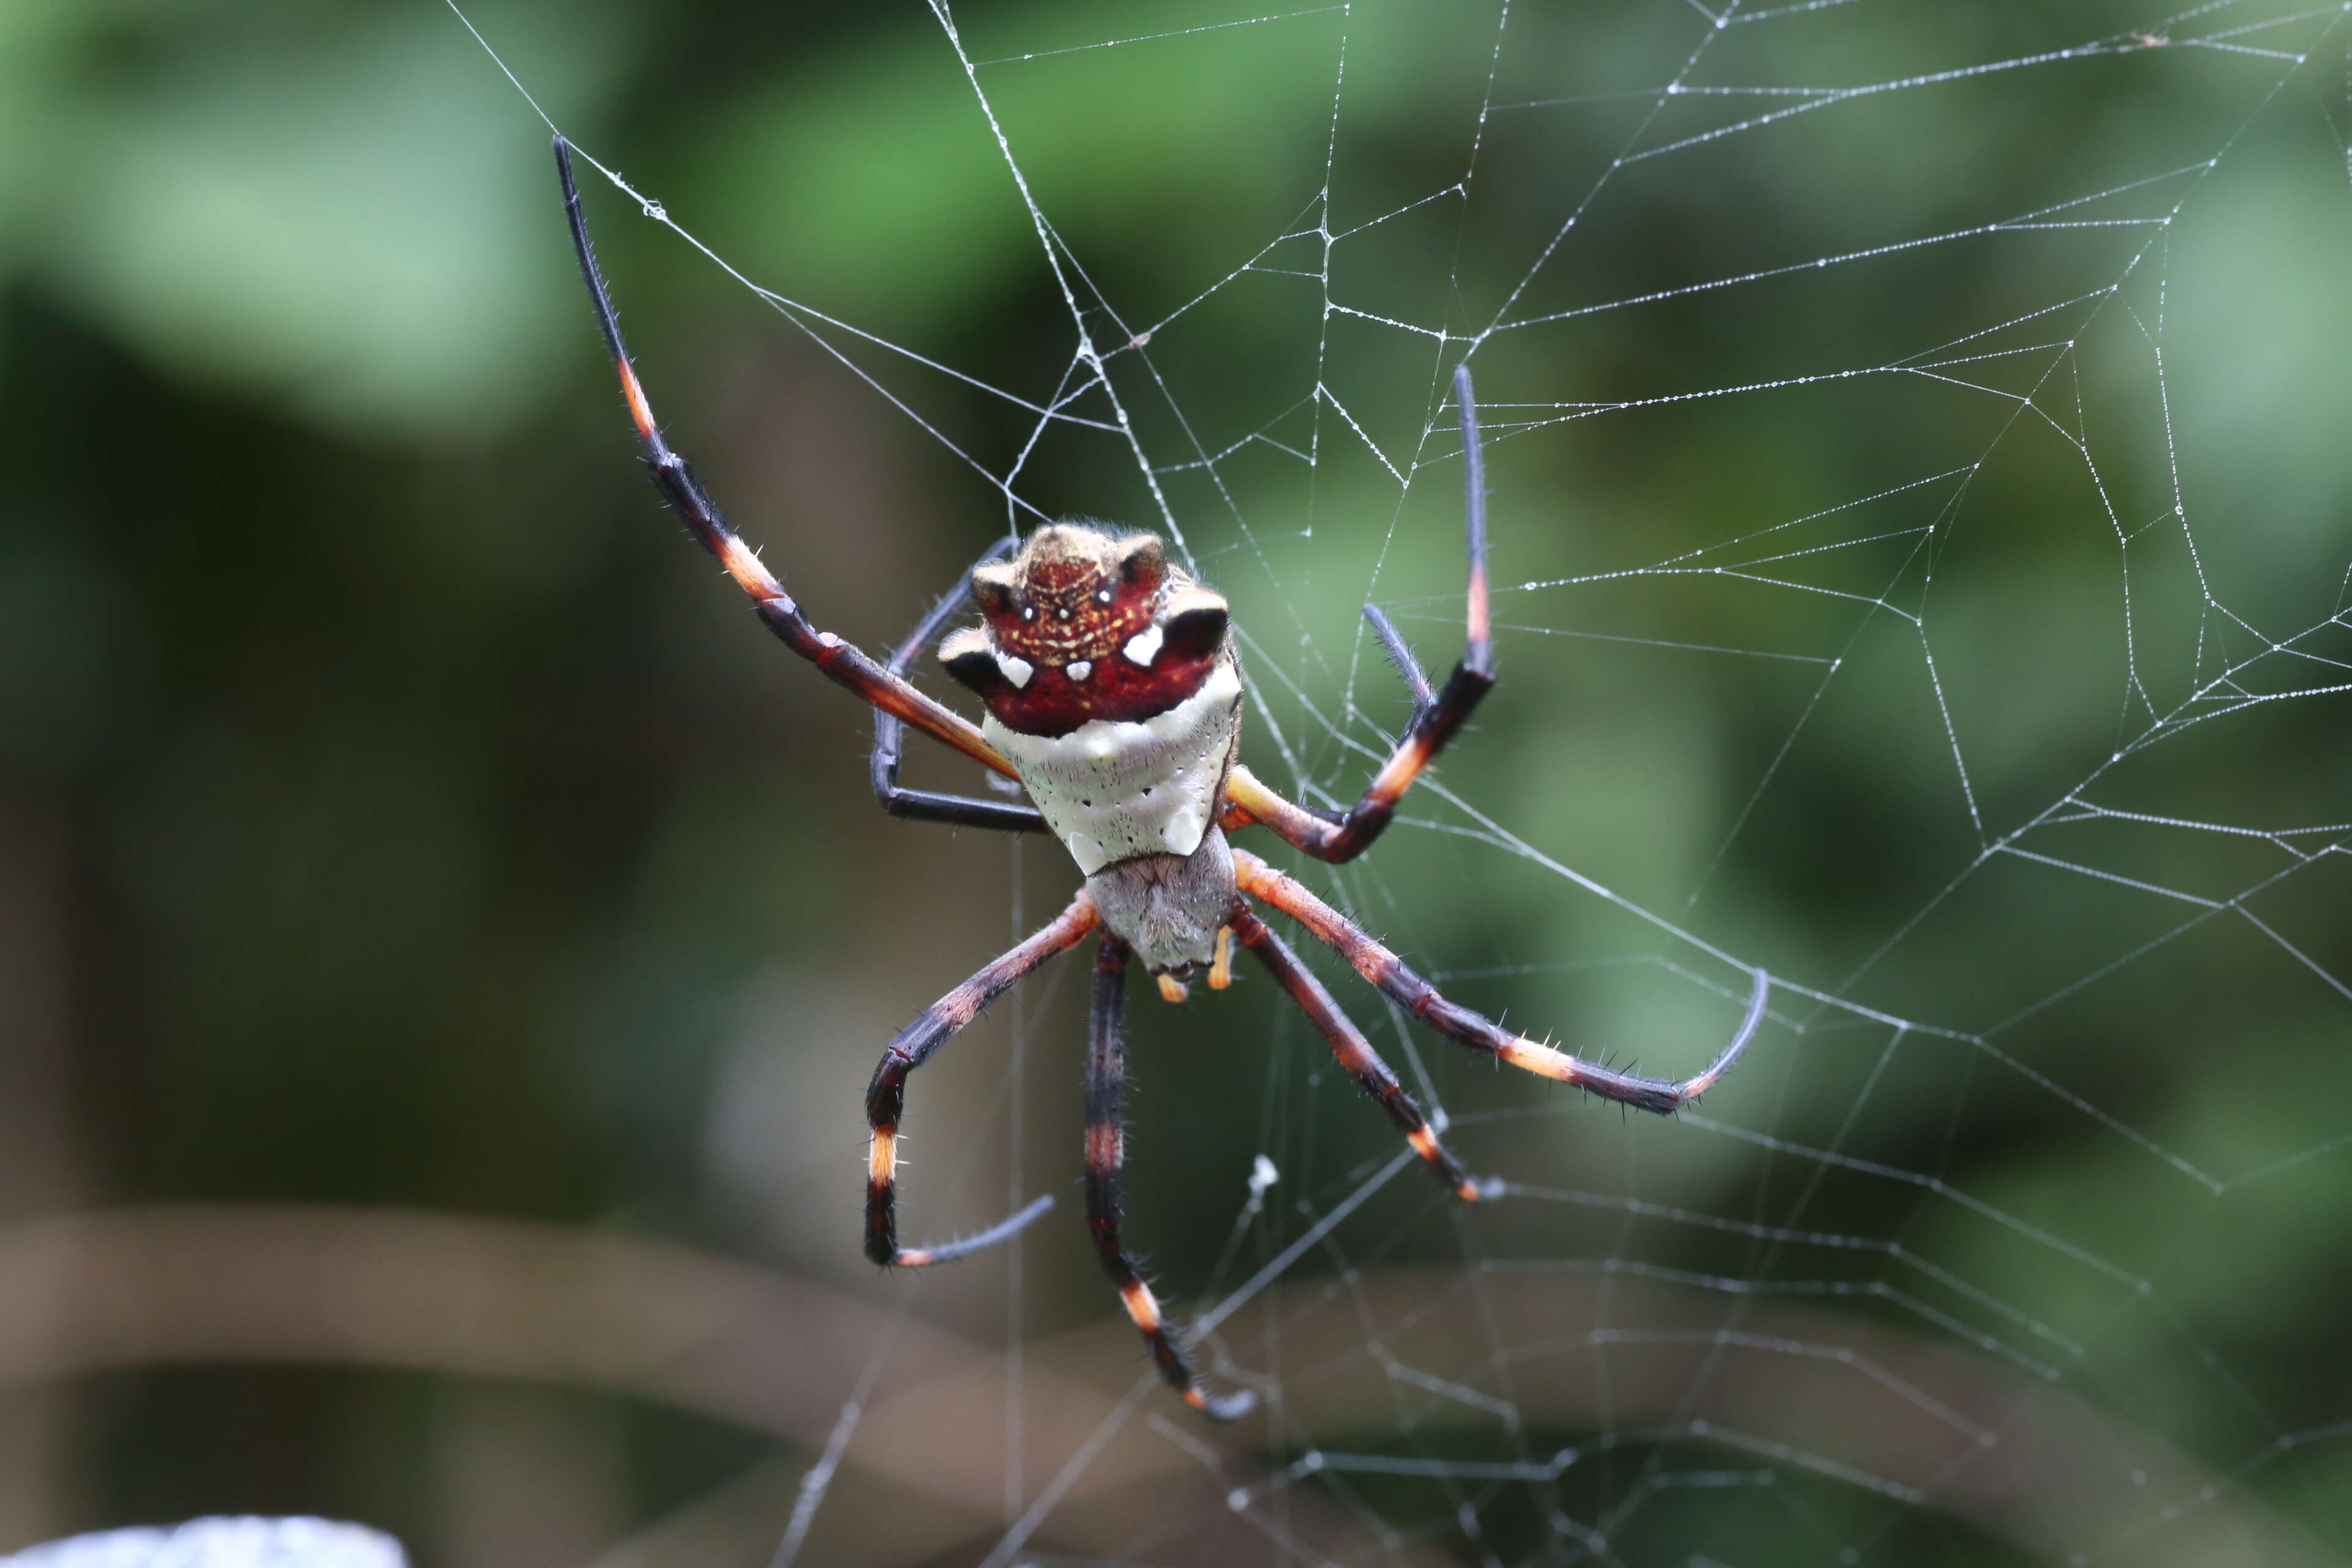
{"x": 1114, "y": 790}
{"x": 1168, "y": 909}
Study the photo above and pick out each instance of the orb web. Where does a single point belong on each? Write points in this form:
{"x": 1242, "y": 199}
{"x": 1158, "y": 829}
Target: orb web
{"x": 1949, "y": 402}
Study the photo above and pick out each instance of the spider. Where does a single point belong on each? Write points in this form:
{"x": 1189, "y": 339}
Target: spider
{"x": 1114, "y": 699}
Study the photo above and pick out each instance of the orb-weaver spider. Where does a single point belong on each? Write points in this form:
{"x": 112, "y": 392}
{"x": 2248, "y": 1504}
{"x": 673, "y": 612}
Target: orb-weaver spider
{"x": 1114, "y": 699}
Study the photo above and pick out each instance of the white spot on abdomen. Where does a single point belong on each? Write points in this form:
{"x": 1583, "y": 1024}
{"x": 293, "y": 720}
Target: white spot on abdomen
{"x": 1144, "y": 645}
{"x": 1016, "y": 670}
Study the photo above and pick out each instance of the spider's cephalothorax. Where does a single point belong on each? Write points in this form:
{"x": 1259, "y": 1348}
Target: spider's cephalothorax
{"x": 1085, "y": 626}
{"x": 1114, "y": 698}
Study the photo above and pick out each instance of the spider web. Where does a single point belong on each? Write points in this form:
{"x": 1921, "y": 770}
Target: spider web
{"x": 2019, "y": 492}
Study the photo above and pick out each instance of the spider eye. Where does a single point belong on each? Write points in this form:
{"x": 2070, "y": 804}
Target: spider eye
{"x": 1028, "y": 612}
{"x": 1103, "y": 597}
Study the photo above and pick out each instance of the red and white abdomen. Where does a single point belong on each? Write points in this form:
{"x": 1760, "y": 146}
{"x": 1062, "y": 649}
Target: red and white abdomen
{"x": 1114, "y": 789}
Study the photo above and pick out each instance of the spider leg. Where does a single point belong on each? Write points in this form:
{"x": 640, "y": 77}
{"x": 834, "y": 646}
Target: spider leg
{"x": 1408, "y": 668}
{"x": 925, "y": 806}
{"x": 840, "y": 662}
{"x": 1106, "y": 1152}
{"x": 1434, "y": 721}
{"x": 1418, "y": 997}
{"x": 886, "y": 1098}
{"x": 1354, "y": 1051}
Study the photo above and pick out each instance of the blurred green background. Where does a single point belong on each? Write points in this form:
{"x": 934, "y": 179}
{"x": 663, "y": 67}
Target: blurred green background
{"x": 1946, "y": 506}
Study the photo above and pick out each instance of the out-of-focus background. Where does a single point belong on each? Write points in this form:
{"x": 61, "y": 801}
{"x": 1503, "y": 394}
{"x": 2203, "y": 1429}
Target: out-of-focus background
{"x": 443, "y": 941}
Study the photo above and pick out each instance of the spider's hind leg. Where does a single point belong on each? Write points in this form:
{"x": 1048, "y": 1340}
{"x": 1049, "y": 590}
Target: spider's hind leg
{"x": 886, "y": 1099}
{"x": 1106, "y": 1153}
{"x": 1355, "y": 1053}
{"x": 1418, "y": 997}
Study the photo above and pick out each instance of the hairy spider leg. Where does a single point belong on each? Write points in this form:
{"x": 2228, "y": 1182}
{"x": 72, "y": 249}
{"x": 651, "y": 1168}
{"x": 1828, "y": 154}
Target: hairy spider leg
{"x": 926, "y": 805}
{"x": 1435, "y": 721}
{"x": 886, "y": 1098}
{"x": 1106, "y": 1152}
{"x": 1354, "y": 1051}
{"x": 1221, "y": 962}
{"x": 1417, "y": 997}
{"x": 841, "y": 662}
{"x": 1408, "y": 668}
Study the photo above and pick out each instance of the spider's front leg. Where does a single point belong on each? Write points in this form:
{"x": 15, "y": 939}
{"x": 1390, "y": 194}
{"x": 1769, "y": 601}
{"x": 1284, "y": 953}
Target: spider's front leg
{"x": 926, "y": 805}
{"x": 1106, "y": 1152}
{"x": 841, "y": 663}
{"x": 886, "y": 1099}
{"x": 1435, "y": 717}
{"x": 1417, "y": 997}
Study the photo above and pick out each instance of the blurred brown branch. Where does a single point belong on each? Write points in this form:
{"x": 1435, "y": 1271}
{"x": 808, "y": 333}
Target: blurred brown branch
{"x": 2011, "y": 1454}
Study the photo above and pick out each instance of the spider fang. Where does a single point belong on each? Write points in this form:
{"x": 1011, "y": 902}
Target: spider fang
{"x": 1172, "y": 989}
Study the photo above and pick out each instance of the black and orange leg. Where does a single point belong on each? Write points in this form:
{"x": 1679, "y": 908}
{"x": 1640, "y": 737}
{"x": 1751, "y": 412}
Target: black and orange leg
{"x": 886, "y": 1098}
{"x": 1354, "y": 1051}
{"x": 1106, "y": 1152}
{"x": 926, "y": 805}
{"x": 840, "y": 662}
{"x": 1331, "y": 836}
{"x": 1408, "y": 668}
{"x": 1417, "y": 997}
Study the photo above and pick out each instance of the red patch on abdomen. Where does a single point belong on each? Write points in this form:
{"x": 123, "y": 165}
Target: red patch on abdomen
{"x": 1117, "y": 689}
